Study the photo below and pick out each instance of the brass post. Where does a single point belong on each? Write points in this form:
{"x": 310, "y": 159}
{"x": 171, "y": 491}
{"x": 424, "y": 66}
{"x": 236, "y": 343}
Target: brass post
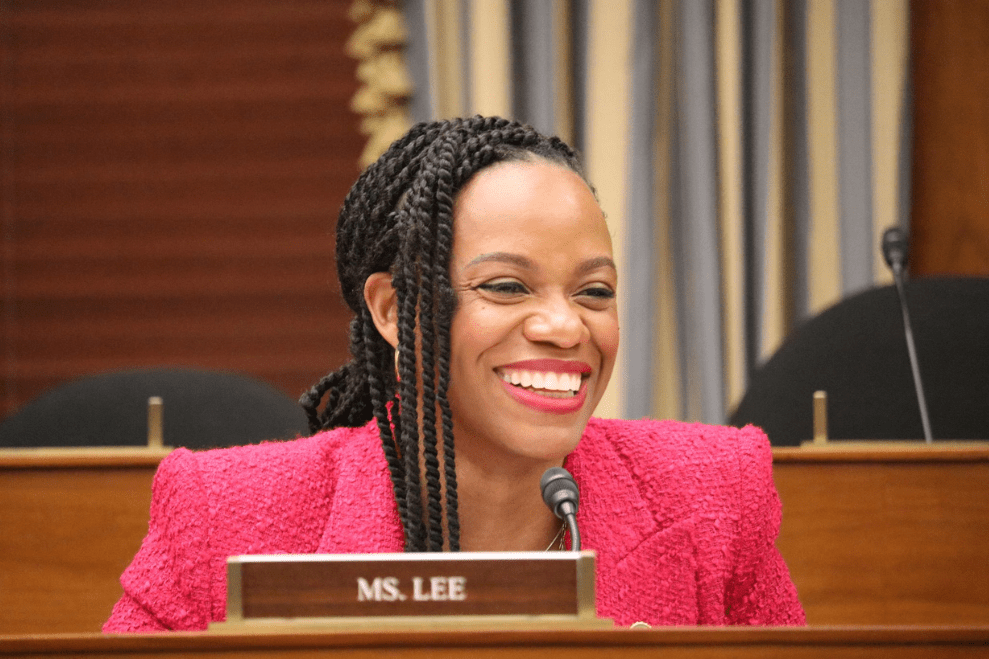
{"x": 155, "y": 423}
{"x": 820, "y": 417}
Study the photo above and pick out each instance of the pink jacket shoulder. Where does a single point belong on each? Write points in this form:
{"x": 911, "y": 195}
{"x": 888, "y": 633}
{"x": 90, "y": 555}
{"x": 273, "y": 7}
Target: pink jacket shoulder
{"x": 260, "y": 499}
{"x": 687, "y": 516}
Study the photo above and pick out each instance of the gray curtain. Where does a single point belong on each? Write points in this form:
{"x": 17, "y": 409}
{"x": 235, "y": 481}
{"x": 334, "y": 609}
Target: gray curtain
{"x": 687, "y": 138}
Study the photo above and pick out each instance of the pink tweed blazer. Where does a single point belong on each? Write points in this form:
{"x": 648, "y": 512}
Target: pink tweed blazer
{"x": 683, "y": 518}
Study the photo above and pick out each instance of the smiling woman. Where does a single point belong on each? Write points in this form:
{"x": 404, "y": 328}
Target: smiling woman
{"x": 536, "y": 291}
{"x": 479, "y": 267}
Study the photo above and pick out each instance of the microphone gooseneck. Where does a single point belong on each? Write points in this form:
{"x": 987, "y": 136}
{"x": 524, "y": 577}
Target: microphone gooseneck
{"x": 562, "y": 496}
{"x": 895, "y": 247}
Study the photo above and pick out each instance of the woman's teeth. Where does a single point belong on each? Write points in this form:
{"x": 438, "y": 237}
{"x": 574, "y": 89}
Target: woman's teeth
{"x": 548, "y": 382}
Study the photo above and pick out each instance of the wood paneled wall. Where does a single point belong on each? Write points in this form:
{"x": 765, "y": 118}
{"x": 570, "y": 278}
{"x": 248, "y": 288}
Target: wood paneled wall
{"x": 950, "y": 186}
{"x": 169, "y": 182}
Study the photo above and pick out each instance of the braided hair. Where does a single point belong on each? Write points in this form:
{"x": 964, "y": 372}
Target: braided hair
{"x": 398, "y": 218}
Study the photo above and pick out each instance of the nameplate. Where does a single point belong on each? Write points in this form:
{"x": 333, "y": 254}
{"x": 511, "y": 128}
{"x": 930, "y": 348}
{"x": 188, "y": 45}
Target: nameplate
{"x": 506, "y": 585}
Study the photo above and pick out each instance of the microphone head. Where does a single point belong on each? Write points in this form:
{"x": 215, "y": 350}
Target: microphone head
{"x": 559, "y": 491}
{"x": 895, "y": 247}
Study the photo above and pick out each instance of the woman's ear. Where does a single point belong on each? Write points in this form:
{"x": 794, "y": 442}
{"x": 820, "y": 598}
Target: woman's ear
{"x": 382, "y": 302}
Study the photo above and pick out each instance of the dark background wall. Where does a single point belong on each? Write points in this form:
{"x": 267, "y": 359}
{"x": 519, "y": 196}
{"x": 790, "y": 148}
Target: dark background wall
{"x": 170, "y": 174}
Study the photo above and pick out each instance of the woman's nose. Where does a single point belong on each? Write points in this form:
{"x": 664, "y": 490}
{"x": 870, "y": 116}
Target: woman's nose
{"x": 558, "y": 323}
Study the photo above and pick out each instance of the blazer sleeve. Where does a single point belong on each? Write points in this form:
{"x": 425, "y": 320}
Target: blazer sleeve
{"x": 761, "y": 591}
{"x": 166, "y": 586}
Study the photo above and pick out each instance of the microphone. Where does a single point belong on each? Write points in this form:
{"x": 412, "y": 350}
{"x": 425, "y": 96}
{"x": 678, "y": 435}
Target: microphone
{"x": 562, "y": 496}
{"x": 895, "y": 247}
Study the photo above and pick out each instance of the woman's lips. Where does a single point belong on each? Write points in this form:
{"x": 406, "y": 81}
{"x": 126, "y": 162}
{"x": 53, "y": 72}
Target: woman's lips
{"x": 545, "y": 403}
{"x": 554, "y": 400}
{"x": 550, "y": 365}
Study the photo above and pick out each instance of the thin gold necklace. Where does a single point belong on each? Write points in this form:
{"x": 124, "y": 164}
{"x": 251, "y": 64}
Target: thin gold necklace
{"x": 558, "y": 537}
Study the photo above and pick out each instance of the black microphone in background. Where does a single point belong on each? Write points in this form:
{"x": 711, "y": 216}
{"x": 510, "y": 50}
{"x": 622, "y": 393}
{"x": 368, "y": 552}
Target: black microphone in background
{"x": 895, "y": 246}
{"x": 562, "y": 496}
{"x": 895, "y": 249}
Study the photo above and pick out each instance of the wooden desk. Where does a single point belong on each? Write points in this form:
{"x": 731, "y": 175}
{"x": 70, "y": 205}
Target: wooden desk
{"x": 871, "y": 537}
{"x": 695, "y": 643}
{"x": 887, "y": 537}
{"x": 69, "y": 525}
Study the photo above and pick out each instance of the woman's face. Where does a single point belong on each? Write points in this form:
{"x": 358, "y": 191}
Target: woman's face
{"x": 535, "y": 334}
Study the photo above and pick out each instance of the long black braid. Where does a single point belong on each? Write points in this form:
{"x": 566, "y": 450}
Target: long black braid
{"x": 398, "y": 218}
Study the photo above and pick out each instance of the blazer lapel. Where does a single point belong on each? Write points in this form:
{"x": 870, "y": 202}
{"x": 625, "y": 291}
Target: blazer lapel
{"x": 363, "y": 514}
{"x": 645, "y": 570}
{"x": 612, "y": 514}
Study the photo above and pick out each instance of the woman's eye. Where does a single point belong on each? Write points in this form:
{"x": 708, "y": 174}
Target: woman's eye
{"x": 599, "y": 292}
{"x": 504, "y": 287}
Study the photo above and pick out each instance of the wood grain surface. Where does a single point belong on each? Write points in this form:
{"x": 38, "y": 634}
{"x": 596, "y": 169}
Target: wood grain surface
{"x": 171, "y": 174}
{"x": 950, "y": 163}
{"x": 670, "y": 643}
{"x": 871, "y": 537}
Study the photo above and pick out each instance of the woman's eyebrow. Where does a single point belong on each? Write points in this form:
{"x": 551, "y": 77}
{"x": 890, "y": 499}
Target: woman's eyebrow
{"x": 527, "y": 264}
{"x": 504, "y": 257}
{"x": 596, "y": 263}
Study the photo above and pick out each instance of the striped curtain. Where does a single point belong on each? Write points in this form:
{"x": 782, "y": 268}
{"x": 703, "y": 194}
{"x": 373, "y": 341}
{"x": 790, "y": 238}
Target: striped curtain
{"x": 748, "y": 155}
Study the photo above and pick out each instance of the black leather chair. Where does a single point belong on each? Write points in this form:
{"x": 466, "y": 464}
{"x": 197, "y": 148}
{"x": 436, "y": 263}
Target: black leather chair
{"x": 201, "y": 409}
{"x": 856, "y": 352}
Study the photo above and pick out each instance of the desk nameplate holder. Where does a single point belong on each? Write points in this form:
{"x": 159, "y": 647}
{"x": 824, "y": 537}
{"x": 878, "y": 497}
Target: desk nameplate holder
{"x": 482, "y": 590}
